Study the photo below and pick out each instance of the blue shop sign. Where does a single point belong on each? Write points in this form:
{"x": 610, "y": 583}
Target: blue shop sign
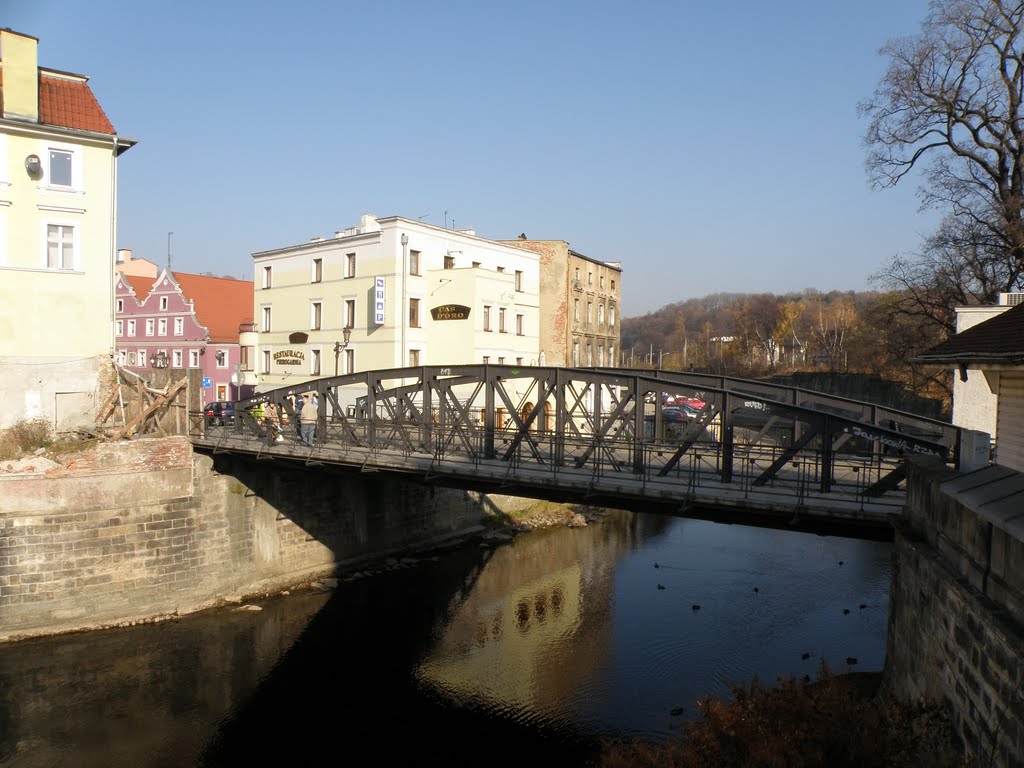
{"x": 207, "y": 382}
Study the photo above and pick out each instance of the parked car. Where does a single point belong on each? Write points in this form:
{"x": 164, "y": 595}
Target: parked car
{"x": 678, "y": 414}
{"x": 219, "y": 412}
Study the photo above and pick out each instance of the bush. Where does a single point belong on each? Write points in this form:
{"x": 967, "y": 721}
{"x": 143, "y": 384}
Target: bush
{"x": 26, "y": 436}
{"x": 801, "y": 724}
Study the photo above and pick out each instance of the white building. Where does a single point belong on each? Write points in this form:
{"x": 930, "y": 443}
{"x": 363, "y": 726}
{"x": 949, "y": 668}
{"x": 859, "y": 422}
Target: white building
{"x": 392, "y": 293}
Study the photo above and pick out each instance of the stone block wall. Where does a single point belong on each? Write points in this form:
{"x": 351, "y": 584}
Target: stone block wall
{"x": 143, "y": 529}
{"x": 956, "y": 626}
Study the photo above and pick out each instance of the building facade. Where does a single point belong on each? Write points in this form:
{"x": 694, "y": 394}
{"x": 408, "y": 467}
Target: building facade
{"x": 392, "y": 293}
{"x": 58, "y": 215}
{"x": 183, "y": 321}
{"x": 132, "y": 265}
{"x": 581, "y": 298}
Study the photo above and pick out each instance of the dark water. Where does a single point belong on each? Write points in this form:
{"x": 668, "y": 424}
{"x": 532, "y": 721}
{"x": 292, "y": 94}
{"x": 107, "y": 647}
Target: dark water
{"x": 501, "y": 654}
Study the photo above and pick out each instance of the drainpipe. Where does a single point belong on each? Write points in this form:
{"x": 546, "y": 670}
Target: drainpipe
{"x": 113, "y": 244}
{"x": 404, "y": 310}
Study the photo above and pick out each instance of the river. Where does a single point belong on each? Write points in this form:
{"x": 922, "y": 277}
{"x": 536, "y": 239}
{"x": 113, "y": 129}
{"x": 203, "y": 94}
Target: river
{"x": 503, "y": 652}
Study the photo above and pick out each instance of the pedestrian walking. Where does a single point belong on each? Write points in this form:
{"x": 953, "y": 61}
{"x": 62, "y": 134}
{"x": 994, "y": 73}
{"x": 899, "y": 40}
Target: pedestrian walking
{"x": 272, "y": 422}
{"x": 309, "y": 415}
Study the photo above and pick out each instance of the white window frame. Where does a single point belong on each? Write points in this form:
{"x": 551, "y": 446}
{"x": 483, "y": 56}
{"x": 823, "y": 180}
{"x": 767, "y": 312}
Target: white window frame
{"x": 611, "y": 315}
{"x": 222, "y": 358}
{"x": 179, "y": 326}
{"x": 176, "y": 359}
{"x": 131, "y": 328}
{"x": 316, "y": 314}
{"x": 350, "y": 265}
{"x": 163, "y": 303}
{"x": 316, "y": 275}
{"x": 150, "y": 326}
{"x": 122, "y": 357}
{"x": 132, "y": 358}
{"x": 265, "y": 361}
{"x": 77, "y": 181}
{"x": 350, "y": 312}
{"x": 193, "y": 358}
{"x": 266, "y": 318}
{"x": 141, "y": 359}
{"x": 75, "y": 247}
{"x": 268, "y": 276}
{"x": 161, "y": 326}
{"x": 350, "y": 360}
{"x": 520, "y": 324}
{"x": 315, "y": 362}
{"x": 120, "y": 305}
{"x": 120, "y": 328}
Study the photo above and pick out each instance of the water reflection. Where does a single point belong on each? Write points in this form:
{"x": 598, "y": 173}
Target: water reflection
{"x": 535, "y": 648}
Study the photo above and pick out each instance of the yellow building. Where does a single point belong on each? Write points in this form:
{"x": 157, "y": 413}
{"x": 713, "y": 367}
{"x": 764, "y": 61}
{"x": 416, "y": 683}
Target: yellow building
{"x": 58, "y": 207}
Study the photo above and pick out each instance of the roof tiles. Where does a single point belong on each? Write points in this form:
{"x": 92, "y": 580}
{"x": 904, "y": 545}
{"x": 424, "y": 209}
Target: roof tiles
{"x": 221, "y": 303}
{"x": 999, "y": 340}
{"x": 71, "y": 104}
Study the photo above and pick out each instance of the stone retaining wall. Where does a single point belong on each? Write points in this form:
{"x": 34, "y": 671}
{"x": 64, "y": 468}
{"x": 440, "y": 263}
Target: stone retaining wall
{"x": 144, "y": 529}
{"x": 956, "y": 618}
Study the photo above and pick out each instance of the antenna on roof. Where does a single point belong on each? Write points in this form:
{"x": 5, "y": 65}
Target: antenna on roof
{"x": 169, "y": 251}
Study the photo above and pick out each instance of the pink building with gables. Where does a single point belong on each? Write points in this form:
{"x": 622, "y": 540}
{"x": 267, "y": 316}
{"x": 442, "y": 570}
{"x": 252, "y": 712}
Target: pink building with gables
{"x": 179, "y": 320}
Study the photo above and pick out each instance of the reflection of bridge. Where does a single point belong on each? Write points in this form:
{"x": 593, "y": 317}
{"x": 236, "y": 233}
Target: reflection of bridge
{"x": 755, "y": 452}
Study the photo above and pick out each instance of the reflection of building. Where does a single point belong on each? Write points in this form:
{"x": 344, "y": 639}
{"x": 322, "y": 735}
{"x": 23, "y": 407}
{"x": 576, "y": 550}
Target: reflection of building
{"x": 581, "y": 298}
{"x": 179, "y": 320}
{"x": 58, "y": 202}
{"x": 392, "y": 293}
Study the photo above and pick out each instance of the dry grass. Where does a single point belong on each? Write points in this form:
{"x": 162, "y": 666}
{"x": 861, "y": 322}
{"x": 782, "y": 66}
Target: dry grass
{"x": 25, "y": 437}
{"x": 833, "y": 721}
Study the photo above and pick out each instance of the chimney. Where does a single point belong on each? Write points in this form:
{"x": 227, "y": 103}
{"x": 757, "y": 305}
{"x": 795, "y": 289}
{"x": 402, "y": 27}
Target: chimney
{"x": 124, "y": 255}
{"x": 20, "y": 63}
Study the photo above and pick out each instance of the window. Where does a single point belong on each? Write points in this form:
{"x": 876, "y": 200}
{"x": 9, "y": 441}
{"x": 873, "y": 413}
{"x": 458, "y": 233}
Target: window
{"x": 176, "y": 359}
{"x": 501, "y": 360}
{"x": 132, "y": 358}
{"x": 611, "y": 354}
{"x": 318, "y": 271}
{"x": 120, "y": 305}
{"x": 350, "y": 313}
{"x": 120, "y": 327}
{"x": 150, "y": 325}
{"x": 162, "y": 327}
{"x": 245, "y": 357}
{"x": 590, "y": 354}
{"x": 414, "y": 357}
{"x": 314, "y": 362}
{"x": 350, "y": 361}
{"x": 576, "y": 309}
{"x": 60, "y": 246}
{"x": 600, "y": 314}
{"x": 266, "y": 319}
{"x": 613, "y": 285}
{"x": 501, "y": 320}
{"x": 602, "y": 282}
{"x": 590, "y": 312}
{"x": 222, "y": 358}
{"x": 577, "y": 275}
{"x": 487, "y": 359}
{"x": 268, "y": 277}
{"x": 414, "y": 262}
{"x": 350, "y": 265}
{"x": 600, "y": 355}
{"x": 414, "y": 313}
{"x": 131, "y": 327}
{"x": 476, "y": 265}
{"x": 61, "y": 164}
{"x": 611, "y": 315}
{"x": 315, "y": 315}
{"x": 142, "y": 358}
{"x": 193, "y": 358}
{"x": 179, "y": 326}
{"x": 519, "y": 280}
{"x": 590, "y": 278}
{"x": 449, "y": 261}
{"x": 575, "y": 353}
{"x": 266, "y": 361}
{"x": 519, "y": 325}
{"x": 122, "y": 357}
{"x": 519, "y": 361}
{"x": 487, "y": 318}
{"x": 163, "y": 303}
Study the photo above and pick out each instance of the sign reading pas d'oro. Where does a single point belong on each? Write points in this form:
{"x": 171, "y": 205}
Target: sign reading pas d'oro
{"x": 450, "y": 312}
{"x": 289, "y": 357}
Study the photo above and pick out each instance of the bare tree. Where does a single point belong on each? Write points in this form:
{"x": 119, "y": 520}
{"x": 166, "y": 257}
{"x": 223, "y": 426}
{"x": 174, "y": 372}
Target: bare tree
{"x": 951, "y": 100}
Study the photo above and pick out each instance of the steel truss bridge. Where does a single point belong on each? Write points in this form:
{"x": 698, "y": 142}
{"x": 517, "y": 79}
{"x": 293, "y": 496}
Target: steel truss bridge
{"x": 755, "y": 452}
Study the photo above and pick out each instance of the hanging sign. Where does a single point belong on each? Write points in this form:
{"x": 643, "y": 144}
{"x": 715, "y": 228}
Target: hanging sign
{"x": 378, "y": 300}
{"x": 450, "y": 312}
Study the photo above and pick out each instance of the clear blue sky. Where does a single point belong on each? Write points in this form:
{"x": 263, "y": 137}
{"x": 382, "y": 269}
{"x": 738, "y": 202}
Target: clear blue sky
{"x": 708, "y": 146}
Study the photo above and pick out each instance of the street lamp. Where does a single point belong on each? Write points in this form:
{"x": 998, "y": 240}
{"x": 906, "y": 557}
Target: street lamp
{"x": 338, "y": 346}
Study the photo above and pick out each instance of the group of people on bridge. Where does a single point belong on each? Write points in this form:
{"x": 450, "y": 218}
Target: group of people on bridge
{"x": 274, "y": 420}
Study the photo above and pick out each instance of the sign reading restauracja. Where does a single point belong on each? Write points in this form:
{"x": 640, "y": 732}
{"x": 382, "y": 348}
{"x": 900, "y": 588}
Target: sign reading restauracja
{"x": 289, "y": 357}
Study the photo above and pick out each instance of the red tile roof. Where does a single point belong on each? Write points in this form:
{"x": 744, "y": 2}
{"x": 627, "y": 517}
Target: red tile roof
{"x": 221, "y": 303}
{"x": 141, "y": 285}
{"x": 71, "y": 104}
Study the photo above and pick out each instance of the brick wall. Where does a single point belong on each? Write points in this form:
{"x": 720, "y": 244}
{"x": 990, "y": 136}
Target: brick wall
{"x": 955, "y": 618}
{"x": 145, "y": 529}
